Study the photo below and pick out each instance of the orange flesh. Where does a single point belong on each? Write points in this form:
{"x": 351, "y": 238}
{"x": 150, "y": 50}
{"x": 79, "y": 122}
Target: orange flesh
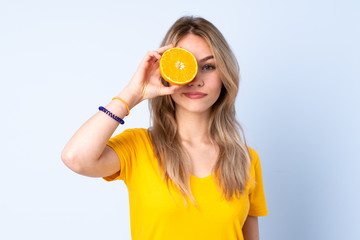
{"x": 178, "y": 66}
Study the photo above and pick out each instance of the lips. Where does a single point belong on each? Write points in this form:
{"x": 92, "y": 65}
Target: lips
{"x": 195, "y": 95}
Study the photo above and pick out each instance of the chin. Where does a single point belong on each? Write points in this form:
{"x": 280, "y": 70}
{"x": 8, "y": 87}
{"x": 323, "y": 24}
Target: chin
{"x": 196, "y": 109}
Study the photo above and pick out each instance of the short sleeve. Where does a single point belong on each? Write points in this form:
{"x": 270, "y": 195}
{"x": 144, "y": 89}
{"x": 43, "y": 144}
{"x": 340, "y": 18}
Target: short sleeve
{"x": 257, "y": 195}
{"x": 125, "y": 147}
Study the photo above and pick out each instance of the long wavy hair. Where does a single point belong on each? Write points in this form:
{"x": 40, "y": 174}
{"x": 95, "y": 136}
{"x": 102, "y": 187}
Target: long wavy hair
{"x": 231, "y": 171}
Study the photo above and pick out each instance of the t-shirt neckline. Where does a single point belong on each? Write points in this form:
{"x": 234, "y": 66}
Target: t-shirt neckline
{"x": 201, "y": 179}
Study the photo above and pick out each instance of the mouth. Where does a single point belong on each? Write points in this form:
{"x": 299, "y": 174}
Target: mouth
{"x": 195, "y": 95}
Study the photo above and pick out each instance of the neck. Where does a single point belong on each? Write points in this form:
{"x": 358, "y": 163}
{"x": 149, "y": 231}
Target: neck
{"x": 193, "y": 127}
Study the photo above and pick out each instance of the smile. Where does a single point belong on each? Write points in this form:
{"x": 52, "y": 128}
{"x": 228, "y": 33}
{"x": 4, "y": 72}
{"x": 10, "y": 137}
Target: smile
{"x": 195, "y": 95}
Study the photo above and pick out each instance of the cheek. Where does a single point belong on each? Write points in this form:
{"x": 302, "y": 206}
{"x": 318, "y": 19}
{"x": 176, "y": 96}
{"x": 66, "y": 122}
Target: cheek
{"x": 216, "y": 84}
{"x": 217, "y": 89}
{"x": 176, "y": 95}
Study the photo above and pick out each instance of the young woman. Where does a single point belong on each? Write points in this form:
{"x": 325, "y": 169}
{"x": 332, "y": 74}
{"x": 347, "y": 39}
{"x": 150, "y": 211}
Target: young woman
{"x": 191, "y": 175}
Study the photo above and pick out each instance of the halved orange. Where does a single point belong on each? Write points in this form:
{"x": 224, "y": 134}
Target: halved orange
{"x": 178, "y": 66}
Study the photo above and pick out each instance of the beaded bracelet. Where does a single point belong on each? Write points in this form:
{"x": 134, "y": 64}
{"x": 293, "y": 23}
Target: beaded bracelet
{"x": 101, "y": 108}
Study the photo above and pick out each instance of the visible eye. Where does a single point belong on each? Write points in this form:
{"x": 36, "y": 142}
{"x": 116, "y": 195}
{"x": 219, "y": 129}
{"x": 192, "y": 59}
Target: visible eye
{"x": 208, "y": 67}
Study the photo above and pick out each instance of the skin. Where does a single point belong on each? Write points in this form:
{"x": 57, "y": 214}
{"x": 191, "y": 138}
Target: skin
{"x": 251, "y": 228}
{"x": 87, "y": 153}
{"x": 192, "y": 115}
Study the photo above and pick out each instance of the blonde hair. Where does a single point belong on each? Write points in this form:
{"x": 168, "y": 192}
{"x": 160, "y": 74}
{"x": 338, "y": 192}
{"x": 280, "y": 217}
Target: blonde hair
{"x": 231, "y": 171}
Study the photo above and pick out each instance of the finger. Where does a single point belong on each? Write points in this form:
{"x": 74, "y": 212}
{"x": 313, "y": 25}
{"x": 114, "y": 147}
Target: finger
{"x": 170, "y": 90}
{"x": 155, "y": 54}
{"x": 164, "y": 48}
{"x": 152, "y": 56}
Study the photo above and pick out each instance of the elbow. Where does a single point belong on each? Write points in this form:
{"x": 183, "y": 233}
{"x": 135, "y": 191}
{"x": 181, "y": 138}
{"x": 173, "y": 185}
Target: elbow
{"x": 80, "y": 162}
{"x": 71, "y": 161}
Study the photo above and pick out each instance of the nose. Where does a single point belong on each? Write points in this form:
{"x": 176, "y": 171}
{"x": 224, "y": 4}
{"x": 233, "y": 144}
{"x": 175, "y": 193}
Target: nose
{"x": 196, "y": 82}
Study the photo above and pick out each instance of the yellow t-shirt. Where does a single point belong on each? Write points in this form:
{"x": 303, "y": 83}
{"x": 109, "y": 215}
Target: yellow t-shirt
{"x": 155, "y": 214}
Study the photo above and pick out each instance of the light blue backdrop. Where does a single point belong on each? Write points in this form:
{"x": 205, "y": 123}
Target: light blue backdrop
{"x": 298, "y": 103}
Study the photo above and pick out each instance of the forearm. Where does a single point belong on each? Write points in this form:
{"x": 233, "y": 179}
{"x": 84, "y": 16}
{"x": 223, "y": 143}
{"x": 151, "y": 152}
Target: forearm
{"x": 251, "y": 228}
{"x": 88, "y": 143}
{"x": 86, "y": 151}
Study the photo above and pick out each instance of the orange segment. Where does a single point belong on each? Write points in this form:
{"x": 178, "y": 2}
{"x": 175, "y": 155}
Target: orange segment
{"x": 178, "y": 66}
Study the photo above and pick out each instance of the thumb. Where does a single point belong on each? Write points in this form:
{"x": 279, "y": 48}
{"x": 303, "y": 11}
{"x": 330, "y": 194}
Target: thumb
{"x": 169, "y": 90}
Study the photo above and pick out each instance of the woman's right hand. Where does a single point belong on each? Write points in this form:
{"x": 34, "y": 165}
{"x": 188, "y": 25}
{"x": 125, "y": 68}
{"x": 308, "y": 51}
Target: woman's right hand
{"x": 87, "y": 153}
{"x": 146, "y": 82}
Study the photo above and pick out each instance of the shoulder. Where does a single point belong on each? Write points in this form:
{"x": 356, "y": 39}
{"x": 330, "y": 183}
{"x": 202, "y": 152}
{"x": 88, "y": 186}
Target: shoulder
{"x": 254, "y": 156}
{"x": 136, "y": 132}
{"x": 255, "y": 171}
{"x": 132, "y": 136}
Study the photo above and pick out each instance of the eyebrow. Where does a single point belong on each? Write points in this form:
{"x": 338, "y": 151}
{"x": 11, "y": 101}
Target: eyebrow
{"x": 206, "y": 58}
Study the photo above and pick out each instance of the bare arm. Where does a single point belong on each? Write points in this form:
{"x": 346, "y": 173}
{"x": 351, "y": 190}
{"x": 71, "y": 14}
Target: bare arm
{"x": 87, "y": 153}
{"x": 251, "y": 228}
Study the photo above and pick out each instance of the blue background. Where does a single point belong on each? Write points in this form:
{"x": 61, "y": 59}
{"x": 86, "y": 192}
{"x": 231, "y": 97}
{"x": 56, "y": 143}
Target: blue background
{"x": 298, "y": 103}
